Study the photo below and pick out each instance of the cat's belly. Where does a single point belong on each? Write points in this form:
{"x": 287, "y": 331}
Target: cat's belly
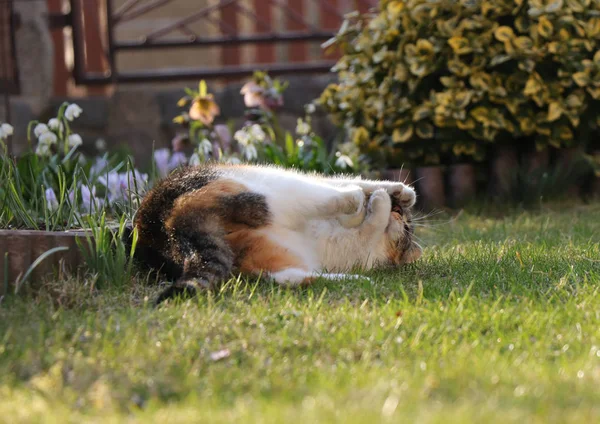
{"x": 292, "y": 247}
{"x": 338, "y": 249}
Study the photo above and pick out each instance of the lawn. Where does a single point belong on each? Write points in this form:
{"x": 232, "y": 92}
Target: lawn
{"x": 500, "y": 321}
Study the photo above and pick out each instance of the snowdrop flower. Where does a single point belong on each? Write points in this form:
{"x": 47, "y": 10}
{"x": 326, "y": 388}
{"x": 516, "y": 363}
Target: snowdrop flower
{"x": 161, "y": 159}
{"x": 257, "y": 133}
{"x": 55, "y": 124}
{"x": 242, "y": 137}
{"x": 48, "y": 138}
{"x": 177, "y": 159}
{"x": 51, "y": 199}
{"x": 250, "y": 152}
{"x": 73, "y": 111}
{"x": 234, "y": 161}
{"x": 74, "y": 140}
{"x": 42, "y": 150}
{"x": 310, "y": 108}
{"x": 195, "y": 160}
{"x": 5, "y": 131}
{"x": 100, "y": 144}
{"x": 303, "y": 128}
{"x": 205, "y": 147}
{"x": 344, "y": 162}
{"x": 40, "y": 129}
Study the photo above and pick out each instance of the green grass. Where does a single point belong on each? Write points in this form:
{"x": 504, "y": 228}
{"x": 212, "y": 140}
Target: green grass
{"x": 499, "y": 322}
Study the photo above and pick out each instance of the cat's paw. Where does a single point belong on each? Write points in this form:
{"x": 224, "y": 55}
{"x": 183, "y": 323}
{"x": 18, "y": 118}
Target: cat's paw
{"x": 380, "y": 201}
{"x": 358, "y": 211}
{"x": 353, "y": 201}
{"x": 402, "y": 195}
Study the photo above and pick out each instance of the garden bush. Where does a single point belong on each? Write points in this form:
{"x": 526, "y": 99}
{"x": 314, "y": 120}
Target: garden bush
{"x": 420, "y": 79}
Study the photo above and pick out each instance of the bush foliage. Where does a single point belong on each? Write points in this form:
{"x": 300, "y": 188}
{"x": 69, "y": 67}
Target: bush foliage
{"x": 423, "y": 77}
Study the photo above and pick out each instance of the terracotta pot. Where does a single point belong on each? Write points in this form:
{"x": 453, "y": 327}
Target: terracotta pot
{"x": 430, "y": 187}
{"x": 462, "y": 184}
{"x": 566, "y": 163}
{"x": 404, "y": 175}
{"x": 538, "y": 160}
{"x": 595, "y": 183}
{"x": 505, "y": 164}
{"x": 19, "y": 249}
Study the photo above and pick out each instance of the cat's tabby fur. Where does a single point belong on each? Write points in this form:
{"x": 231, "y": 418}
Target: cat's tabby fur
{"x": 201, "y": 225}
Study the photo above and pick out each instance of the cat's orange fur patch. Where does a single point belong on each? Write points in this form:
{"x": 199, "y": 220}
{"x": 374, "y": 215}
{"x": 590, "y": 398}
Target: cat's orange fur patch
{"x": 207, "y": 196}
{"x": 259, "y": 253}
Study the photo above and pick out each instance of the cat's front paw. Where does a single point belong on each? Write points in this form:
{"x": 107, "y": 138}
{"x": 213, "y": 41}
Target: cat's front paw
{"x": 402, "y": 195}
{"x": 380, "y": 201}
{"x": 354, "y": 201}
{"x": 356, "y": 212}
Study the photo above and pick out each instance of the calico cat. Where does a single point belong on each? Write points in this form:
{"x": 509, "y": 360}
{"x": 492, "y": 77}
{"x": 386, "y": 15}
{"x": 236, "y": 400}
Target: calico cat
{"x": 202, "y": 224}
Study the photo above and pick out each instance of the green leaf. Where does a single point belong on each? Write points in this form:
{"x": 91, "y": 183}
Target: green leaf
{"x": 504, "y": 33}
{"x": 402, "y": 134}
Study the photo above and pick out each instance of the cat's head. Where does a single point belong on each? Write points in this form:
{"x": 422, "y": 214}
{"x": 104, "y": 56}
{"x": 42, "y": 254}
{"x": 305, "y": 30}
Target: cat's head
{"x": 401, "y": 247}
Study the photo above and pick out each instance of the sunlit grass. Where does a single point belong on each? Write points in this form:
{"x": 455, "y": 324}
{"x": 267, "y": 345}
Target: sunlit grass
{"x": 498, "y": 322}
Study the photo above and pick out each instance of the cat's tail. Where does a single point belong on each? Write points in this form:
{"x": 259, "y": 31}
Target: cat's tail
{"x": 198, "y": 246}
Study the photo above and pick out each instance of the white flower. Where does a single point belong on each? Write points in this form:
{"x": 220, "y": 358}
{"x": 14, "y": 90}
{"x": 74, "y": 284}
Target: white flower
{"x": 310, "y": 108}
{"x": 74, "y": 140}
{"x": 250, "y": 152}
{"x": 55, "y": 124}
{"x": 205, "y": 147}
{"x": 73, "y": 111}
{"x": 51, "y": 199}
{"x": 177, "y": 159}
{"x": 303, "y": 128}
{"x": 161, "y": 159}
{"x": 6, "y": 130}
{"x": 234, "y": 161}
{"x": 257, "y": 133}
{"x": 42, "y": 150}
{"x": 242, "y": 137}
{"x": 40, "y": 129}
{"x": 344, "y": 162}
{"x": 100, "y": 144}
{"x": 48, "y": 138}
{"x": 195, "y": 160}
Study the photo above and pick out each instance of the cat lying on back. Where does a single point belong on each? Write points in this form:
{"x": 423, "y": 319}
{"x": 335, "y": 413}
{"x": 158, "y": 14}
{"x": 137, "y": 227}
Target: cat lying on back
{"x": 201, "y": 225}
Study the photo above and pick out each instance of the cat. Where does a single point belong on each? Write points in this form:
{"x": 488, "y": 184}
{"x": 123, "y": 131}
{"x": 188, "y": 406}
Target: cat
{"x": 201, "y": 224}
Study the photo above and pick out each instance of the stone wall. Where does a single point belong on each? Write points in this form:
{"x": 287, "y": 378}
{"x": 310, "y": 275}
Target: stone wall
{"x": 34, "y": 53}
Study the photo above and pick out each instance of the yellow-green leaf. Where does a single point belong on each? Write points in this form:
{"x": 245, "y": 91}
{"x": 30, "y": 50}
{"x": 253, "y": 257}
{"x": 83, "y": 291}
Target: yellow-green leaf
{"x": 481, "y": 114}
{"x": 424, "y": 130}
{"x": 402, "y": 134}
{"x": 523, "y": 43}
{"x": 565, "y": 133}
{"x": 594, "y": 92}
{"x": 421, "y": 112}
{"x": 532, "y": 87}
{"x": 545, "y": 27}
{"x": 504, "y": 33}
{"x": 581, "y": 78}
{"x": 460, "y": 45}
{"x": 554, "y": 111}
